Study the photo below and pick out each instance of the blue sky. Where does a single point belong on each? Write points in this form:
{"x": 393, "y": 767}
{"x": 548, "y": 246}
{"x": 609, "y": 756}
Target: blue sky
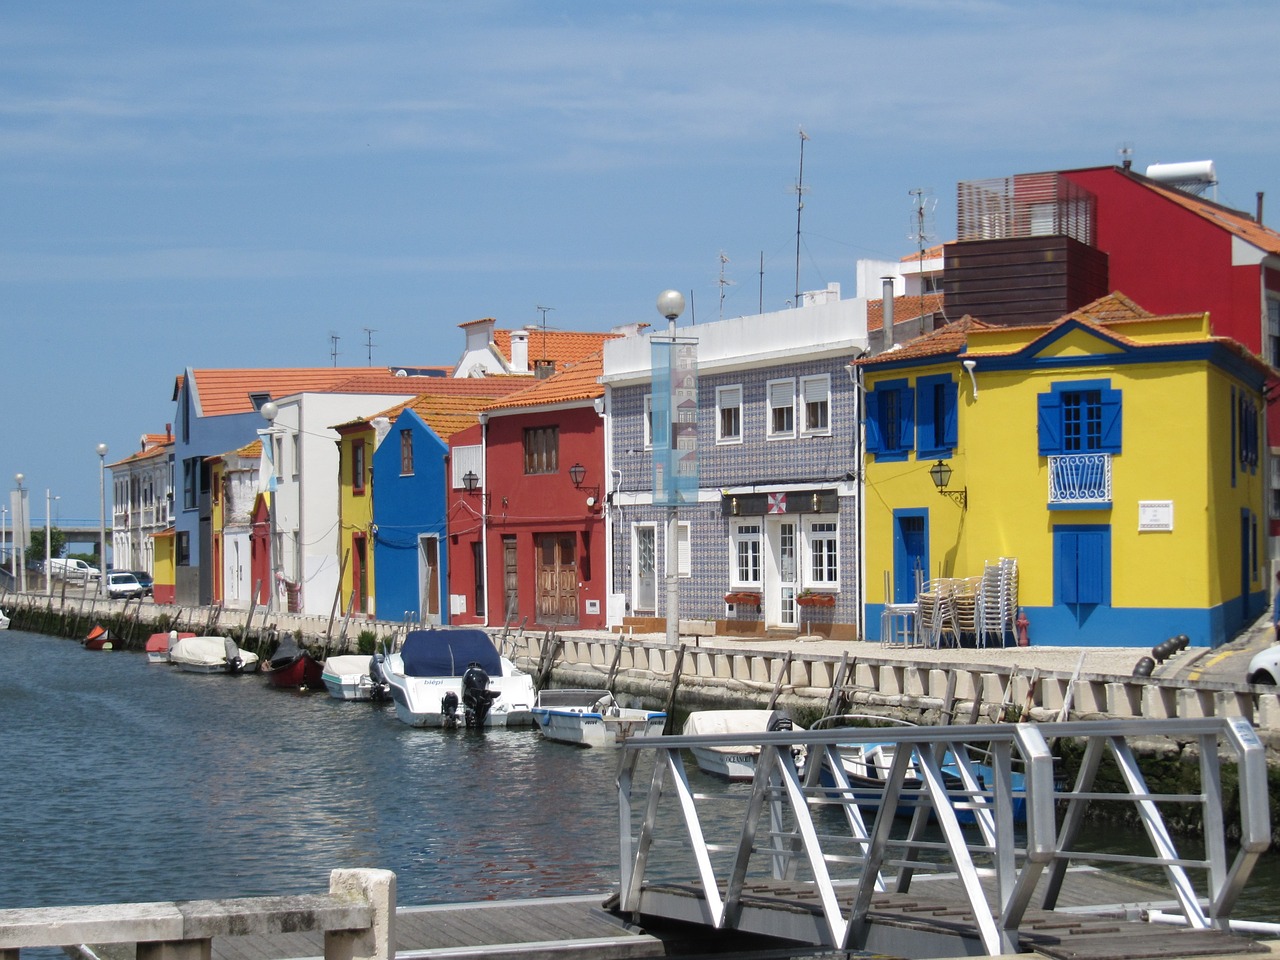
{"x": 228, "y": 184}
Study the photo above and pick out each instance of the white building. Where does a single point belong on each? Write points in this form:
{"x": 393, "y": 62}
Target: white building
{"x": 142, "y": 501}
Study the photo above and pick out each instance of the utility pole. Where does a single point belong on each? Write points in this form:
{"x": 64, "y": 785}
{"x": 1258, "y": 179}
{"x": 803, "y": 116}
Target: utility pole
{"x": 800, "y": 191}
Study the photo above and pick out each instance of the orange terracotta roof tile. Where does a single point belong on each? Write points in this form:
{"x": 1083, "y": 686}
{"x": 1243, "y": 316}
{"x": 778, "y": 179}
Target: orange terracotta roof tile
{"x": 451, "y": 404}
{"x": 224, "y": 392}
{"x": 563, "y": 347}
{"x": 152, "y": 453}
{"x": 904, "y": 309}
{"x": 579, "y": 382}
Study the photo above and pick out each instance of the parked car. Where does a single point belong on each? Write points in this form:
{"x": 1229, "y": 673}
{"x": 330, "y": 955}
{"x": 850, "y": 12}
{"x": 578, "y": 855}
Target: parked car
{"x": 69, "y": 568}
{"x": 124, "y": 585}
{"x": 144, "y": 578}
{"x": 1265, "y": 666}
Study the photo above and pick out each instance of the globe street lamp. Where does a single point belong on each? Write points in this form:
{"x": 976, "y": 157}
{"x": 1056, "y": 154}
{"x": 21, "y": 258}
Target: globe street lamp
{"x": 671, "y": 305}
{"x": 102, "y": 521}
{"x": 48, "y": 541}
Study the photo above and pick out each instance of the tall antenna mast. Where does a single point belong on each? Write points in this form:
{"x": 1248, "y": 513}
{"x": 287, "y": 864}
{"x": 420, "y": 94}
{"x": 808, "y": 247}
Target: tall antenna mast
{"x": 333, "y": 348}
{"x": 760, "y": 309}
{"x": 543, "y": 310}
{"x": 723, "y": 282}
{"x": 921, "y": 231}
{"x": 800, "y": 190}
{"x": 368, "y": 343}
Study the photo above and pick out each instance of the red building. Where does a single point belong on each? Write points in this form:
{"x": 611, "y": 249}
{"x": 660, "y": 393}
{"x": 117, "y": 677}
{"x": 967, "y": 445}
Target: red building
{"x": 526, "y": 516}
{"x": 1033, "y": 247}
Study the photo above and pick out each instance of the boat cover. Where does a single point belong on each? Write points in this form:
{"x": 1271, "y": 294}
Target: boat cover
{"x": 448, "y": 652}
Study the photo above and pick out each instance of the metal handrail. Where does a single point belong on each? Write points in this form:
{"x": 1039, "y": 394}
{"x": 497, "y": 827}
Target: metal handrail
{"x": 788, "y": 836}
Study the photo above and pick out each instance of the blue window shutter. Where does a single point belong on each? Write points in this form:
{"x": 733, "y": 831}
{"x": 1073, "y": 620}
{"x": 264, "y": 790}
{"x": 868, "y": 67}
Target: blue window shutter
{"x": 951, "y": 431}
{"x": 1089, "y": 568}
{"x": 924, "y": 416}
{"x": 908, "y": 426}
{"x": 1065, "y": 565}
{"x": 875, "y": 443}
{"x": 1050, "y": 423}
{"x": 1111, "y": 408}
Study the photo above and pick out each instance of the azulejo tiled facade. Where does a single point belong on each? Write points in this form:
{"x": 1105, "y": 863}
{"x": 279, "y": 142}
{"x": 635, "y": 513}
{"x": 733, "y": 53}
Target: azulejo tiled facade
{"x": 776, "y": 511}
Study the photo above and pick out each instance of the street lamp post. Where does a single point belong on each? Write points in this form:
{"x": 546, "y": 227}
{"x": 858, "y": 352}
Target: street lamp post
{"x": 671, "y": 305}
{"x": 102, "y": 520}
{"x": 48, "y": 541}
{"x": 269, "y": 411}
{"x": 19, "y": 529}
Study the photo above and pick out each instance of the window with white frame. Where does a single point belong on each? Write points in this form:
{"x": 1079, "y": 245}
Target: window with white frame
{"x": 729, "y": 414}
{"x": 296, "y": 451}
{"x": 815, "y": 394}
{"x": 744, "y": 553}
{"x": 684, "y": 557}
{"x": 648, "y": 421}
{"x": 782, "y": 408}
{"x": 824, "y": 552}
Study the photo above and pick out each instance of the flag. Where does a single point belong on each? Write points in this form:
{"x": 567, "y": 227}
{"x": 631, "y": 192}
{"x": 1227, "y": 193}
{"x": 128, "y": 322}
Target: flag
{"x": 266, "y": 465}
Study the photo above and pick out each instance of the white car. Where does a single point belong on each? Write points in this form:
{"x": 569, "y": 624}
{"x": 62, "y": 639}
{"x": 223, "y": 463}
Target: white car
{"x": 124, "y": 585}
{"x": 1264, "y": 668}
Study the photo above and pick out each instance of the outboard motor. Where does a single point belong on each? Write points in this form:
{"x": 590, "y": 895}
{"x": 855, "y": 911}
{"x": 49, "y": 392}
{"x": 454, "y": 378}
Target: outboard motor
{"x": 381, "y": 689}
{"x": 477, "y": 698}
{"x": 232, "y": 653}
{"x": 449, "y": 711}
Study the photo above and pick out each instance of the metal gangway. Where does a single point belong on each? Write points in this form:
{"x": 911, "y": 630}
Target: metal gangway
{"x": 984, "y": 805}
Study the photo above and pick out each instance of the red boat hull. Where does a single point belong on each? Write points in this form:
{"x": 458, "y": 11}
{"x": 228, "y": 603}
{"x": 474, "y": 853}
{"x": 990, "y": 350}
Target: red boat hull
{"x": 303, "y": 670}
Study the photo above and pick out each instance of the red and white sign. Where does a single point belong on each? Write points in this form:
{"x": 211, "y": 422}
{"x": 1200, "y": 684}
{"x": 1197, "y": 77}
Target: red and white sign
{"x": 777, "y": 503}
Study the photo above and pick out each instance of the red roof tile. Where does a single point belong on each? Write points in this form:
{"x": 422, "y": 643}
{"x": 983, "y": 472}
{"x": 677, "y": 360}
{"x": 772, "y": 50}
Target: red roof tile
{"x": 579, "y": 382}
{"x": 904, "y": 309}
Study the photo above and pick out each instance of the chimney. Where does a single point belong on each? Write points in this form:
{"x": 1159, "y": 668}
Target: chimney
{"x": 519, "y": 351}
{"x": 886, "y": 307}
{"x": 1259, "y": 217}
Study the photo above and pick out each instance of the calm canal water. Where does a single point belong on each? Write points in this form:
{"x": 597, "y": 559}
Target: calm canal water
{"x": 122, "y": 781}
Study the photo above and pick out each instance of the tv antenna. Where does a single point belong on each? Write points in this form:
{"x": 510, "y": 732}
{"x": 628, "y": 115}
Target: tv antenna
{"x": 368, "y": 343}
{"x": 800, "y": 192}
{"x": 923, "y": 230}
{"x": 544, "y": 310}
{"x": 723, "y": 281}
{"x": 333, "y": 348}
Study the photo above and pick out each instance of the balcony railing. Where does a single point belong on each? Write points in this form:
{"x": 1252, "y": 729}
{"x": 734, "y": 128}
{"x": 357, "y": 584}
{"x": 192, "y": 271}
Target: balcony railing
{"x": 1080, "y": 478}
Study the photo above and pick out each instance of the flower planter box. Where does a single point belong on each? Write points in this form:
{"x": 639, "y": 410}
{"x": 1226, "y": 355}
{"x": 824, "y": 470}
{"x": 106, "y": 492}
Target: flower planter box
{"x": 817, "y": 600}
{"x": 743, "y": 599}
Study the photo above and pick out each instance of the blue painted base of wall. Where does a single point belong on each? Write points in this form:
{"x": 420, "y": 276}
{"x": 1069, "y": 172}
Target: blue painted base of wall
{"x": 1098, "y": 626}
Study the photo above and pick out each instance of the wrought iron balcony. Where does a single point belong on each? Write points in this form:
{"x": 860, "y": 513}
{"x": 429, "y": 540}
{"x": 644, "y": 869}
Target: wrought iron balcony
{"x": 1080, "y": 479}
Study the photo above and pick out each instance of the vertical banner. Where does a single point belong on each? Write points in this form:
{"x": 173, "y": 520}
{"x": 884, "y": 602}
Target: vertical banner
{"x": 20, "y": 515}
{"x": 674, "y": 409}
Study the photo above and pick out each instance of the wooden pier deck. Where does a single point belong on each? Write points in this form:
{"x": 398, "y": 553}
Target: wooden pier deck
{"x": 547, "y": 928}
{"x": 1098, "y": 918}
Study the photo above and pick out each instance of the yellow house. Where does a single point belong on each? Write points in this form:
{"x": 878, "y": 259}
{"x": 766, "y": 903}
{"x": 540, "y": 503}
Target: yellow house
{"x": 356, "y": 444}
{"x": 1113, "y": 459}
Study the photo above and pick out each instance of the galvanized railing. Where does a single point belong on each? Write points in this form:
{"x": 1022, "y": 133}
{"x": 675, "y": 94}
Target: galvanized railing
{"x": 1080, "y": 478}
{"x": 810, "y": 818}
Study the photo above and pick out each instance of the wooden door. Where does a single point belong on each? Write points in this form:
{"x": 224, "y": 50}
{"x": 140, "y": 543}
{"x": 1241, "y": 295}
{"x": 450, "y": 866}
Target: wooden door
{"x": 557, "y": 578}
{"x": 510, "y": 580}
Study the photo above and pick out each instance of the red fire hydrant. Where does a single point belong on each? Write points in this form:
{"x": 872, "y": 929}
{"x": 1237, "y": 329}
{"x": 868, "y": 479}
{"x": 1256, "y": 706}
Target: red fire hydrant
{"x": 1022, "y": 623}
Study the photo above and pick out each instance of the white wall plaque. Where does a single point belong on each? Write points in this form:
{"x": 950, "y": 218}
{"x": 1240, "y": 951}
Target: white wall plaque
{"x": 1155, "y": 515}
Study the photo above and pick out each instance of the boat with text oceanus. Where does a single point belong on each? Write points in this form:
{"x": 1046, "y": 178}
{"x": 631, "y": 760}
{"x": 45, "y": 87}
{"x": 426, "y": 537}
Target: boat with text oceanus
{"x": 452, "y": 677}
{"x": 735, "y": 762}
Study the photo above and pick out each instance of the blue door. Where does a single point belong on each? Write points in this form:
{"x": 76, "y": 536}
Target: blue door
{"x": 910, "y": 553}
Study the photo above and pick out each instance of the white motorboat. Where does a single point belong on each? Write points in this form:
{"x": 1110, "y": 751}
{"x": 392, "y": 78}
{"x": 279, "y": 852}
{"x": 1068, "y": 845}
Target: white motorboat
{"x": 592, "y": 718}
{"x": 211, "y": 655}
{"x": 735, "y": 762}
{"x": 158, "y": 645}
{"x": 4, "y": 620}
{"x": 453, "y": 676}
{"x": 347, "y": 677}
